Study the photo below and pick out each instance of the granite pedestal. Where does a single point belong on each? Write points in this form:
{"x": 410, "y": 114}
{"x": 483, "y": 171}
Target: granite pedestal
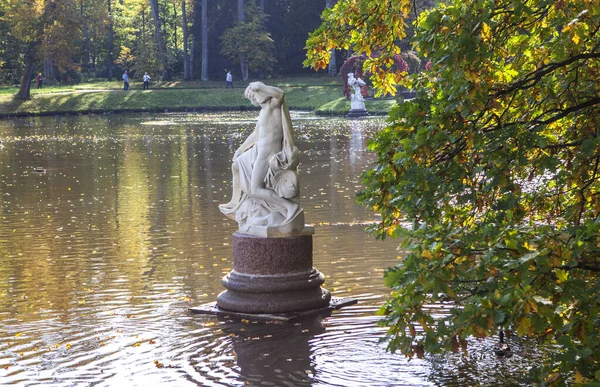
{"x": 356, "y": 113}
{"x": 273, "y": 275}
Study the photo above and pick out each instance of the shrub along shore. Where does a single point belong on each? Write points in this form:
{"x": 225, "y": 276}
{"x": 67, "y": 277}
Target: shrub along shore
{"x": 319, "y": 94}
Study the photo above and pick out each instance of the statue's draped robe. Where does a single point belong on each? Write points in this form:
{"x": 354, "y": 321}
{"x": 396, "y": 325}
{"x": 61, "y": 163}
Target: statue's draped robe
{"x": 281, "y": 177}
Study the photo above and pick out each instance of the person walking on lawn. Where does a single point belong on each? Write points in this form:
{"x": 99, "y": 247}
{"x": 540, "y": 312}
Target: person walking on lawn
{"x": 146, "y": 81}
{"x": 229, "y": 80}
{"x": 125, "y": 81}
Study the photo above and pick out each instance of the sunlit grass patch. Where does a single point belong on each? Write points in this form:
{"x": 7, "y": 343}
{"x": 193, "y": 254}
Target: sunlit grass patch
{"x": 313, "y": 93}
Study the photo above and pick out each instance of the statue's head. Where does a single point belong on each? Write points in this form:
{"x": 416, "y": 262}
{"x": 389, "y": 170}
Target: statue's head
{"x": 351, "y": 76}
{"x": 252, "y": 95}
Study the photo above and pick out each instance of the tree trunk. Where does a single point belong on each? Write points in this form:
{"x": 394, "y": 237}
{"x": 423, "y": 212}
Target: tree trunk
{"x": 111, "y": 44}
{"x": 241, "y": 19}
{"x": 162, "y": 51}
{"x": 192, "y": 48}
{"x": 25, "y": 88}
{"x": 85, "y": 57}
{"x": 204, "y": 75}
{"x": 174, "y": 25}
{"x": 186, "y": 70}
{"x": 332, "y": 69}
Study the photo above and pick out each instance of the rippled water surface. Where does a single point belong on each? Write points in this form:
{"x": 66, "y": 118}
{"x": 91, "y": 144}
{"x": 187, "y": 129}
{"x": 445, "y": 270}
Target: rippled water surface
{"x": 117, "y": 234}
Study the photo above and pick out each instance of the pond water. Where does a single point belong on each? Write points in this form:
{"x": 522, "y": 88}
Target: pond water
{"x": 117, "y": 234}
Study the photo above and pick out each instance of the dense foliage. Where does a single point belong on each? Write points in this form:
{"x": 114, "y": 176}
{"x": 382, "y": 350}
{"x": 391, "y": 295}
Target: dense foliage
{"x": 355, "y": 65}
{"x": 87, "y": 39}
{"x": 491, "y": 177}
{"x": 372, "y": 28}
{"x": 250, "y": 40}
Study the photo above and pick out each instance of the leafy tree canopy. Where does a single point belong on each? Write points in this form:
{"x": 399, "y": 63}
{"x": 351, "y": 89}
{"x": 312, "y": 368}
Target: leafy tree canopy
{"x": 250, "y": 40}
{"x": 490, "y": 175}
{"x": 369, "y": 27}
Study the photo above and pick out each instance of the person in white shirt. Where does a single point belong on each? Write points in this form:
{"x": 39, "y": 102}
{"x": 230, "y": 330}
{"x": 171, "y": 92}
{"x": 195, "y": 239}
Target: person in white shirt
{"x": 229, "y": 80}
{"x": 146, "y": 81}
{"x": 125, "y": 81}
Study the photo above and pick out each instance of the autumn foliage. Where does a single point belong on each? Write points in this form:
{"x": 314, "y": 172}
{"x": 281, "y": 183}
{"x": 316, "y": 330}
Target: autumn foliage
{"x": 490, "y": 176}
{"x": 355, "y": 65}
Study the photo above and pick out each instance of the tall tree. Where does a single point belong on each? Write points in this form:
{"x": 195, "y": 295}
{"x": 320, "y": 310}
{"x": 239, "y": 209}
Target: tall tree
{"x": 332, "y": 67}
{"x": 162, "y": 49}
{"x": 204, "y": 75}
{"x": 491, "y": 175}
{"x": 186, "y": 69}
{"x": 242, "y": 56}
{"x": 249, "y": 42}
{"x": 45, "y": 29}
{"x": 86, "y": 45}
{"x": 110, "y": 58}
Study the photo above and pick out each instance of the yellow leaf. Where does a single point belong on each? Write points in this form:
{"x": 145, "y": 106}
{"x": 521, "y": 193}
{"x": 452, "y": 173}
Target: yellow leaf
{"x": 479, "y": 331}
{"x": 575, "y": 38}
{"x": 533, "y": 305}
{"x": 486, "y": 32}
{"x": 579, "y": 379}
{"x": 427, "y": 254}
{"x": 524, "y": 326}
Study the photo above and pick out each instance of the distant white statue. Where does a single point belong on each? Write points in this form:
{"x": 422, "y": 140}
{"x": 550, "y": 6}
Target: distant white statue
{"x": 265, "y": 177}
{"x": 357, "y": 102}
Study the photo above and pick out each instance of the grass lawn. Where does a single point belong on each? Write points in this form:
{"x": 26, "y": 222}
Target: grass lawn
{"x": 315, "y": 93}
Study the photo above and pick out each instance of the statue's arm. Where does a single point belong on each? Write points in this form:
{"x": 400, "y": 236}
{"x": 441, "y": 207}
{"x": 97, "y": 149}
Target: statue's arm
{"x": 275, "y": 93}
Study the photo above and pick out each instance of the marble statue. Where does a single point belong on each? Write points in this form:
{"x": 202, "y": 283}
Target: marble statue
{"x": 265, "y": 194}
{"x": 357, "y": 102}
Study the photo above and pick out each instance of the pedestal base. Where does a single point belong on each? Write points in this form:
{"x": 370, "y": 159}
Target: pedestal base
{"x": 212, "y": 309}
{"x": 272, "y": 275}
{"x": 355, "y": 113}
{"x": 274, "y": 302}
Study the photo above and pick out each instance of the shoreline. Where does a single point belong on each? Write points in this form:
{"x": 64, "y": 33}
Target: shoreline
{"x": 175, "y": 110}
{"x": 96, "y": 98}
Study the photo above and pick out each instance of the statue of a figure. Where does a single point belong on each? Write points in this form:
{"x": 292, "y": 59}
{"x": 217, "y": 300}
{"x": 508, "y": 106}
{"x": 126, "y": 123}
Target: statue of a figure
{"x": 265, "y": 178}
{"x": 357, "y": 102}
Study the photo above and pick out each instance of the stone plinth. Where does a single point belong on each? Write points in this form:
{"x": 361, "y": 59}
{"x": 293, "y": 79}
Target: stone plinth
{"x": 355, "y": 113}
{"x": 272, "y": 275}
{"x": 211, "y": 308}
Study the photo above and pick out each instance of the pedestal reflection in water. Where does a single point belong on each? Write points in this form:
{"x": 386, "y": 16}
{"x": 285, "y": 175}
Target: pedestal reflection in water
{"x": 102, "y": 254}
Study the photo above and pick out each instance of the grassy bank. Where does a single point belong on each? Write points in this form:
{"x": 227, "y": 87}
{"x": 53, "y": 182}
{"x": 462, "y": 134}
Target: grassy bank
{"x": 320, "y": 94}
